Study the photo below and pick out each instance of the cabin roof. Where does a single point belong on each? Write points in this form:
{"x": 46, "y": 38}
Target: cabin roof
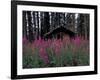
{"x": 59, "y": 29}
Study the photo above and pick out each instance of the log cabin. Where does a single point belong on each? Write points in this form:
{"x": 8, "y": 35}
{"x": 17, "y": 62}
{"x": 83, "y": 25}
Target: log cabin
{"x": 59, "y": 32}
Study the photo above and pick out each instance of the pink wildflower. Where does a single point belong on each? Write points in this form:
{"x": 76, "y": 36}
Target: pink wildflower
{"x": 25, "y": 41}
{"x": 77, "y": 41}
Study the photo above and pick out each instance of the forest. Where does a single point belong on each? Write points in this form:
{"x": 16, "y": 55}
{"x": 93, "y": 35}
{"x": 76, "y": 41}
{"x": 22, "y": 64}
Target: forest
{"x": 37, "y": 24}
{"x": 55, "y": 39}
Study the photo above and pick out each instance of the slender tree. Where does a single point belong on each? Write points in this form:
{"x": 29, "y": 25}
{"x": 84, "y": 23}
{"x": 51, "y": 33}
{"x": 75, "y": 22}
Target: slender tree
{"x": 30, "y": 26}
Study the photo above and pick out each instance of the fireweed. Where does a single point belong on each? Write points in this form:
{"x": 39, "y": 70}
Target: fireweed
{"x": 55, "y": 52}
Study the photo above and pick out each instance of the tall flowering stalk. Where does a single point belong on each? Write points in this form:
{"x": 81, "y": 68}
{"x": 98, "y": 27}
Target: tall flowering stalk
{"x": 43, "y": 55}
{"x": 77, "y": 41}
{"x": 66, "y": 47}
{"x": 25, "y": 41}
{"x": 57, "y": 46}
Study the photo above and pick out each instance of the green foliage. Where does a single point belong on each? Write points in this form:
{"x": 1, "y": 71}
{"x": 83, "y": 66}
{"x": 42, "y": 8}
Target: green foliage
{"x": 32, "y": 61}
